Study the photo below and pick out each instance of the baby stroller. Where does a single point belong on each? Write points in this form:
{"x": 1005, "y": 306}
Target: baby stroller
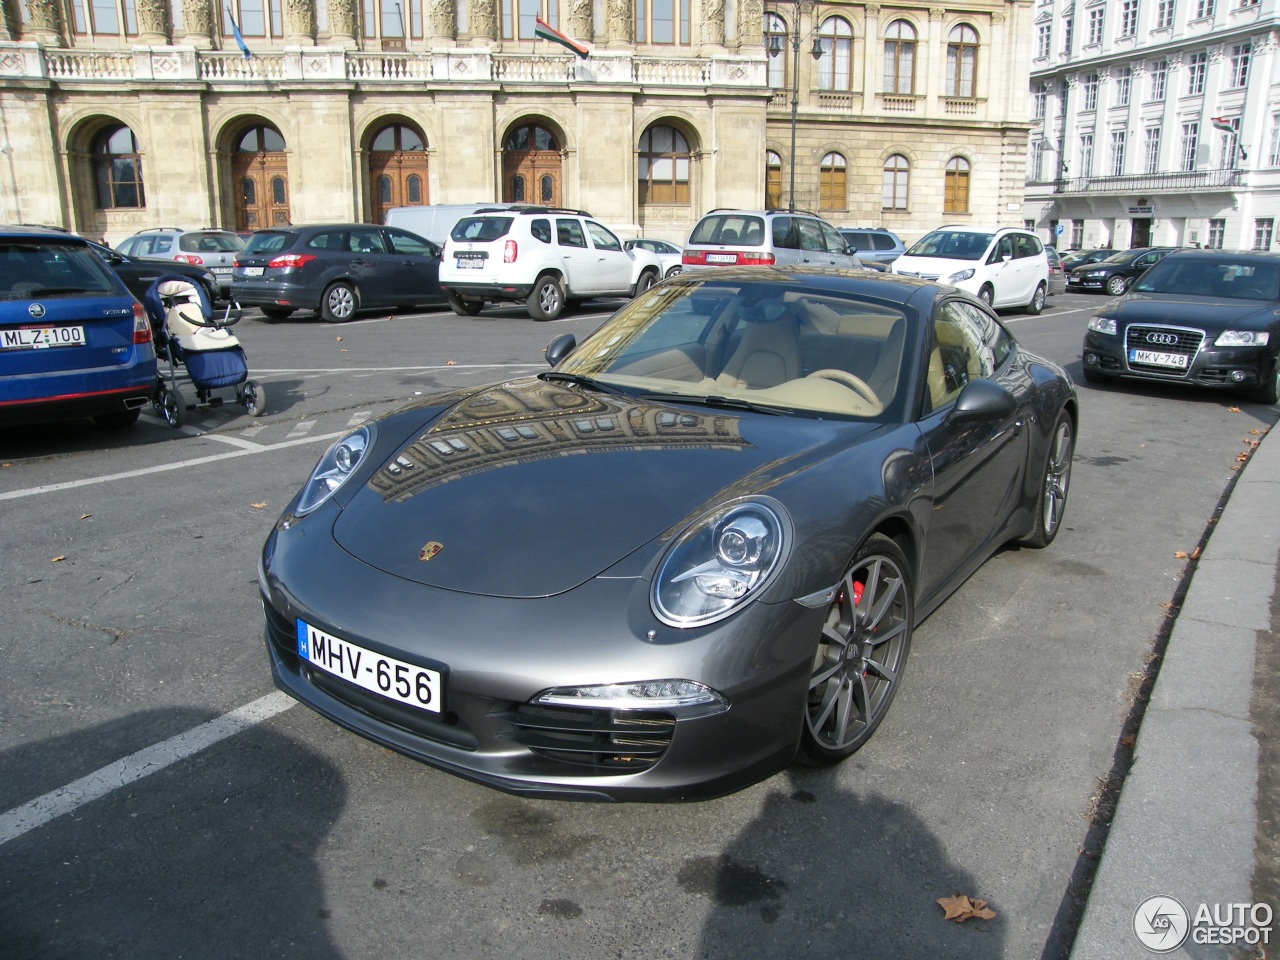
{"x": 187, "y": 334}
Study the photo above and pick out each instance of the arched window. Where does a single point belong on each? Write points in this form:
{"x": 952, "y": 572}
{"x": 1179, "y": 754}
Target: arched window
{"x": 831, "y": 183}
{"x": 531, "y": 137}
{"x": 897, "y": 177}
{"x": 775, "y": 45}
{"x": 962, "y": 61}
{"x": 117, "y": 169}
{"x": 104, "y": 17}
{"x": 900, "y": 58}
{"x": 260, "y": 139}
{"x": 255, "y": 18}
{"x": 415, "y": 188}
{"x": 546, "y": 189}
{"x": 395, "y": 137}
{"x": 835, "y": 66}
{"x": 663, "y": 166}
{"x": 662, "y": 21}
{"x": 772, "y": 181}
{"x": 955, "y": 194}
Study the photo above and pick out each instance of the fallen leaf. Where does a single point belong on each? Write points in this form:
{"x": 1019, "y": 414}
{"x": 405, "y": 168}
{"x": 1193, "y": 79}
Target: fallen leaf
{"x": 339, "y": 339}
{"x": 59, "y": 558}
{"x": 1233, "y": 409}
{"x": 1253, "y": 433}
{"x": 85, "y": 516}
{"x": 1195, "y": 554}
{"x": 1242, "y": 457}
{"x": 258, "y": 506}
{"x": 1129, "y": 741}
{"x": 6, "y": 465}
{"x": 960, "y": 908}
{"x": 1238, "y": 467}
{"x": 1180, "y": 555}
{"x": 343, "y": 350}
{"x": 452, "y": 363}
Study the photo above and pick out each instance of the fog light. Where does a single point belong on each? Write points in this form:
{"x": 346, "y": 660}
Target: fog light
{"x": 1091, "y": 359}
{"x": 1239, "y": 376}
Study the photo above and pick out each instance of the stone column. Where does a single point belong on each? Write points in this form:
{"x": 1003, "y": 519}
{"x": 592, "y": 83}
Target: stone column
{"x": 581, "y": 20}
{"x": 45, "y": 23}
{"x": 712, "y": 16}
{"x": 482, "y": 19}
{"x": 442, "y": 19}
{"x": 750, "y": 25}
{"x": 197, "y": 24}
{"x": 343, "y": 23}
{"x": 619, "y": 23}
{"x": 300, "y": 23}
{"x": 153, "y": 22}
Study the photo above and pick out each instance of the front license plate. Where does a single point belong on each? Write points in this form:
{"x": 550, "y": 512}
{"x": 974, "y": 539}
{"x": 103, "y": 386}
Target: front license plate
{"x": 1176, "y": 360}
{"x": 470, "y": 263}
{"x": 722, "y": 258}
{"x": 394, "y": 679}
{"x": 38, "y": 338}
{"x": 253, "y": 271}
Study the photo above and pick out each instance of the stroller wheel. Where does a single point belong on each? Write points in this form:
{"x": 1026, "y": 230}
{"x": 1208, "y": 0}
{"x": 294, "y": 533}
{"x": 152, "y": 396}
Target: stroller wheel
{"x": 173, "y": 406}
{"x": 254, "y": 398}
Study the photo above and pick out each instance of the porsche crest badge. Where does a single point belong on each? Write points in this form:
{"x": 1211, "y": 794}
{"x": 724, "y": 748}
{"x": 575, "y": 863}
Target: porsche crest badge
{"x": 430, "y": 550}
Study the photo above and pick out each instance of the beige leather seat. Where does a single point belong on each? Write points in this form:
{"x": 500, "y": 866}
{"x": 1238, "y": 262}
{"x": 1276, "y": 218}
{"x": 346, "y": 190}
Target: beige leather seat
{"x": 768, "y": 353}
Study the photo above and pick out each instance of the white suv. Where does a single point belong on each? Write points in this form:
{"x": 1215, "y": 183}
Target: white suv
{"x": 541, "y": 256}
{"x": 1005, "y": 267}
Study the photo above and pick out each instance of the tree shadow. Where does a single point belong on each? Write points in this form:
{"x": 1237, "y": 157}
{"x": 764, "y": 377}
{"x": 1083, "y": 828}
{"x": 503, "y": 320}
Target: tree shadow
{"x": 825, "y": 872}
{"x": 213, "y": 856}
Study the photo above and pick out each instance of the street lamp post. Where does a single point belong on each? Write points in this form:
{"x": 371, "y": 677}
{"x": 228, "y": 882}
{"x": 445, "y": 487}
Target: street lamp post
{"x": 775, "y": 48}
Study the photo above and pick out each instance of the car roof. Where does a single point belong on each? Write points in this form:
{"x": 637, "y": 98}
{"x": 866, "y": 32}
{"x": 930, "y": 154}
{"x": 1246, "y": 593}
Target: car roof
{"x": 1269, "y": 256}
{"x": 528, "y": 210}
{"x": 19, "y": 231}
{"x": 765, "y": 213}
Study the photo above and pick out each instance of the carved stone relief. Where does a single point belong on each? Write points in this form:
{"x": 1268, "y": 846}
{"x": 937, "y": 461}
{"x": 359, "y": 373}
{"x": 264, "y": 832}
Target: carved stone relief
{"x": 713, "y": 21}
{"x": 618, "y": 20}
{"x": 153, "y": 20}
{"x": 581, "y": 19}
{"x": 750, "y": 23}
{"x": 442, "y": 16}
{"x": 482, "y": 17}
{"x": 299, "y": 19}
{"x": 44, "y": 20}
{"x": 197, "y": 18}
{"x": 342, "y": 18}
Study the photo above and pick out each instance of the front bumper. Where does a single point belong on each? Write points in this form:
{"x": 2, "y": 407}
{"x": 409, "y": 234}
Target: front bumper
{"x": 495, "y": 655}
{"x": 1227, "y": 368}
{"x": 1086, "y": 283}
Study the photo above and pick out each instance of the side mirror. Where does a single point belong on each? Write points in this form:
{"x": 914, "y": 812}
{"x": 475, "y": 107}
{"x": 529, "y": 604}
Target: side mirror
{"x": 560, "y": 347}
{"x": 979, "y": 401}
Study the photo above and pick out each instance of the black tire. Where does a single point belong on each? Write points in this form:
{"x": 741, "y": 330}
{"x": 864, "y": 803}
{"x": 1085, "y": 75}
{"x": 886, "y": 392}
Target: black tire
{"x": 1036, "y": 306}
{"x": 1269, "y": 392}
{"x": 1051, "y": 501}
{"x": 172, "y": 405}
{"x": 987, "y": 295}
{"x": 254, "y": 397}
{"x": 647, "y": 280}
{"x": 857, "y": 661}
{"x": 673, "y": 272}
{"x": 118, "y": 419}
{"x": 1117, "y": 285}
{"x": 339, "y": 303}
{"x": 465, "y": 308}
{"x": 276, "y": 313}
{"x": 546, "y": 300}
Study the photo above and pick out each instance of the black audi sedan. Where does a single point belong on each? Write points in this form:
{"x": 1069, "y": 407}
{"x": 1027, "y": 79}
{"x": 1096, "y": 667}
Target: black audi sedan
{"x": 691, "y": 552}
{"x": 336, "y": 270}
{"x": 1210, "y": 318}
{"x": 1117, "y": 272}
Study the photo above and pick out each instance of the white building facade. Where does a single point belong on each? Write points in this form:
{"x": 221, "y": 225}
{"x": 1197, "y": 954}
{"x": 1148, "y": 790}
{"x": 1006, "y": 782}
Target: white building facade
{"x": 1156, "y": 123}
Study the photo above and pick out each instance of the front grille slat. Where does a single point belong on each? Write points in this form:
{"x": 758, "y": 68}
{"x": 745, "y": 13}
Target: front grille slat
{"x": 1182, "y": 341}
{"x": 604, "y": 740}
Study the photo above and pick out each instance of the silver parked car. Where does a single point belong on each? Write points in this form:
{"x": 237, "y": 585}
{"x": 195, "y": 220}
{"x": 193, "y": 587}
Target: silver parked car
{"x": 754, "y": 238}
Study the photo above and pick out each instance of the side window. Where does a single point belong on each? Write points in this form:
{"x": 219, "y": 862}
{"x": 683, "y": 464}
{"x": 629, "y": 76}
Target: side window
{"x": 997, "y": 344}
{"x": 959, "y": 353}
{"x": 367, "y": 241}
{"x": 328, "y": 241}
{"x": 835, "y": 242}
{"x": 810, "y": 234}
{"x": 569, "y": 234}
{"x": 129, "y": 246}
{"x": 1003, "y": 248}
{"x": 403, "y": 242}
{"x": 881, "y": 241}
{"x": 784, "y": 233}
{"x": 161, "y": 244}
{"x": 540, "y": 230}
{"x": 601, "y": 238}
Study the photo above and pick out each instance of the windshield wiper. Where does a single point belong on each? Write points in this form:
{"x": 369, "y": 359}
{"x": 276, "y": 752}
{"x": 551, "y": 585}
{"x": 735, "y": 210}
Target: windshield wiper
{"x": 576, "y": 378}
{"x": 725, "y": 403}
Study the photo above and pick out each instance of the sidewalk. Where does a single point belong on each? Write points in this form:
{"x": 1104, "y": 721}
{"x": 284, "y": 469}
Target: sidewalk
{"x": 1185, "y": 823}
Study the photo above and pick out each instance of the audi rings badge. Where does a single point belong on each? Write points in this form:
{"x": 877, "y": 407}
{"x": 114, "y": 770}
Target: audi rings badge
{"x": 1163, "y": 339}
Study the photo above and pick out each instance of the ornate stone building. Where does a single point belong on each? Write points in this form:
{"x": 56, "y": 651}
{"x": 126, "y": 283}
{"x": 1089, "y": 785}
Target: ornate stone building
{"x": 121, "y": 114}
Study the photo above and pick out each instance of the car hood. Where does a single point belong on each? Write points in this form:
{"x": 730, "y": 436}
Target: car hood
{"x": 1203, "y": 313}
{"x": 528, "y": 489}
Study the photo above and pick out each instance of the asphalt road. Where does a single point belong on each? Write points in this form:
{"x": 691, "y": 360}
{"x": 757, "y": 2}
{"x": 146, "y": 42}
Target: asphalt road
{"x": 131, "y": 619}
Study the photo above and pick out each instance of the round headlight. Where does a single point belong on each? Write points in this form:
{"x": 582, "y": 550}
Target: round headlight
{"x": 722, "y": 560}
{"x": 335, "y": 467}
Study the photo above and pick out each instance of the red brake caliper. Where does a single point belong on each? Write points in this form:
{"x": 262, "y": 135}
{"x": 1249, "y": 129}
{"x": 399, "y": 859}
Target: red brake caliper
{"x": 857, "y": 598}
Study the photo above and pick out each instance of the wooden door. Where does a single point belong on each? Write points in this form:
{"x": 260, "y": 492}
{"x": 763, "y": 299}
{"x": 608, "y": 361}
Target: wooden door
{"x": 262, "y": 190}
{"x": 396, "y": 179}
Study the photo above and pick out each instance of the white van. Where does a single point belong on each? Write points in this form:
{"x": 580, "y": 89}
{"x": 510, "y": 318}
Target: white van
{"x": 1005, "y": 267}
{"x": 434, "y": 221}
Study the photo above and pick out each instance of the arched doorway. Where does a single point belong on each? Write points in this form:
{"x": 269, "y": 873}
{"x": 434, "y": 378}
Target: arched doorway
{"x": 260, "y": 171}
{"x": 531, "y": 166}
{"x": 397, "y": 170}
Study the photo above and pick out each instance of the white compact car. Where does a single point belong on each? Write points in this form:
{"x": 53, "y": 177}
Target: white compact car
{"x": 1004, "y": 267}
{"x": 542, "y": 257}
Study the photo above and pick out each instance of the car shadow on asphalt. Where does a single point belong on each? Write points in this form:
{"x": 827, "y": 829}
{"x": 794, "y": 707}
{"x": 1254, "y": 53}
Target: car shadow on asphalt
{"x": 211, "y": 857}
{"x": 824, "y": 871}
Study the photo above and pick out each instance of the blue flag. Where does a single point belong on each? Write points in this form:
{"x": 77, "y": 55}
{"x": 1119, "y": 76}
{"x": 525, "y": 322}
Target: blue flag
{"x": 235, "y": 29}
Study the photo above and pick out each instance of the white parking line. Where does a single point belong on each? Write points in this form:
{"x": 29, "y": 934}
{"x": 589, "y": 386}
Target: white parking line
{"x": 359, "y": 417}
{"x": 138, "y": 765}
{"x": 301, "y": 430}
{"x": 165, "y": 467}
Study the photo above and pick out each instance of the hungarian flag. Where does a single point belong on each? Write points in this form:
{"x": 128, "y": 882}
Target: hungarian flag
{"x": 543, "y": 31}
{"x": 1223, "y": 124}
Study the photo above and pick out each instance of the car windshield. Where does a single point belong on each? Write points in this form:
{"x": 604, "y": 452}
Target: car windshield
{"x": 37, "y": 269}
{"x": 481, "y": 229}
{"x": 1213, "y": 276}
{"x": 779, "y": 346}
{"x": 1124, "y": 256}
{"x": 952, "y": 245}
{"x": 269, "y": 241}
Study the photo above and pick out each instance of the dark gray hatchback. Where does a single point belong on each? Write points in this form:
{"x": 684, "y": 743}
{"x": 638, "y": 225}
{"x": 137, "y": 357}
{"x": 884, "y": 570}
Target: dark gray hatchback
{"x": 336, "y": 270}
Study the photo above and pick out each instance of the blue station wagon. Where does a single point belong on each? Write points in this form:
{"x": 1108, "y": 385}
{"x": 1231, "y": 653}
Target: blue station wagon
{"x": 73, "y": 341}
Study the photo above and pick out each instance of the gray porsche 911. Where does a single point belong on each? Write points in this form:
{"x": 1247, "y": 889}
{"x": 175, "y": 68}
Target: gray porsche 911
{"x": 689, "y": 554}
